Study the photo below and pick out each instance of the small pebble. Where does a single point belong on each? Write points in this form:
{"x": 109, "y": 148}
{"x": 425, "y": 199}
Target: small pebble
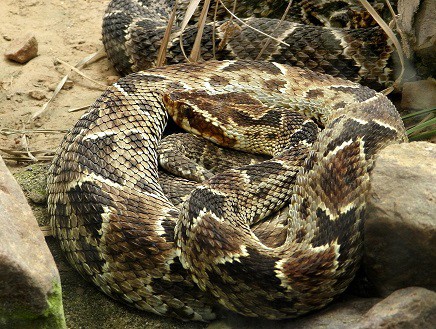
{"x": 112, "y": 79}
{"x": 68, "y": 85}
{"x": 36, "y": 94}
{"x": 22, "y": 49}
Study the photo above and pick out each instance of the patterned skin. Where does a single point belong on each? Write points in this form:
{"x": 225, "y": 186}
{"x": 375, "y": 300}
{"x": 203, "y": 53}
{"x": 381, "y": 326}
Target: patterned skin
{"x": 274, "y": 239}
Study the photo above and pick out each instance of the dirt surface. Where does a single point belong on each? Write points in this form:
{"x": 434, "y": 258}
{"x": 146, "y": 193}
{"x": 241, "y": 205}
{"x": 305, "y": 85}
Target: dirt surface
{"x": 65, "y": 30}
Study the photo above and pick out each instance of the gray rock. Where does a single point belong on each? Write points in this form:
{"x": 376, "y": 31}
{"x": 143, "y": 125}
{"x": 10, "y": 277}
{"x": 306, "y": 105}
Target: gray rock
{"x": 22, "y": 49}
{"x": 407, "y": 308}
{"x": 342, "y": 314}
{"x": 418, "y": 26}
{"x": 418, "y": 95}
{"x": 30, "y": 290}
{"x": 400, "y": 230}
{"x": 37, "y": 94}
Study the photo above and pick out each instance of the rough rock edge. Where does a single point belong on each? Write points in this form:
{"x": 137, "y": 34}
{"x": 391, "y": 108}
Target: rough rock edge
{"x": 24, "y": 316}
{"x": 400, "y": 227}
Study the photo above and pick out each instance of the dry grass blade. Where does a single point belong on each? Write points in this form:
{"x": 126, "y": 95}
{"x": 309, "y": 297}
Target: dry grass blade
{"x": 389, "y": 33}
{"x": 268, "y": 41}
{"x": 196, "y": 48}
{"x": 250, "y": 27}
{"x": 214, "y": 29}
{"x": 91, "y": 58}
{"x": 75, "y": 69}
{"x": 80, "y": 108}
{"x": 406, "y": 47}
{"x": 8, "y": 131}
{"x": 387, "y": 90}
{"x": 25, "y": 143}
{"x": 87, "y": 60}
{"x": 161, "y": 56}
{"x": 27, "y": 159}
{"x": 55, "y": 92}
{"x": 23, "y": 156}
{"x": 24, "y": 153}
{"x": 229, "y": 28}
{"x": 195, "y": 53}
{"x": 193, "y": 4}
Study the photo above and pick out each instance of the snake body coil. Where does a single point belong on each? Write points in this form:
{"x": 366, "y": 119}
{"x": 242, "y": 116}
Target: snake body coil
{"x": 275, "y": 239}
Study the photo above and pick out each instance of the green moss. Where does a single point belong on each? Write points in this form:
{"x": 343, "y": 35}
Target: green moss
{"x": 50, "y": 318}
{"x": 33, "y": 181}
{"x": 55, "y": 311}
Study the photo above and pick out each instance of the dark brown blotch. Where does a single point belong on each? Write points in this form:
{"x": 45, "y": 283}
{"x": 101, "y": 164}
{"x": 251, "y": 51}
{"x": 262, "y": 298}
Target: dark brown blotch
{"x": 205, "y": 200}
{"x": 244, "y": 117}
{"x": 218, "y": 80}
{"x": 339, "y": 105}
{"x": 373, "y": 134}
{"x": 300, "y": 235}
{"x": 360, "y": 93}
{"x": 86, "y": 202}
{"x": 315, "y": 93}
{"x": 341, "y": 176}
{"x": 309, "y": 272}
{"x": 264, "y": 67}
{"x": 346, "y": 230}
{"x": 175, "y": 85}
{"x": 274, "y": 84}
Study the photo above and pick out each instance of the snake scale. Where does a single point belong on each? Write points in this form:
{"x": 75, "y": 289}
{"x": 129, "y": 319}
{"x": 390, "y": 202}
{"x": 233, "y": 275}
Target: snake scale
{"x": 277, "y": 236}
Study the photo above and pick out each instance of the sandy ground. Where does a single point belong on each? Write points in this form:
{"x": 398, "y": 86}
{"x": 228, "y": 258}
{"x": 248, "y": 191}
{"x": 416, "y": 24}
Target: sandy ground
{"x": 65, "y": 30}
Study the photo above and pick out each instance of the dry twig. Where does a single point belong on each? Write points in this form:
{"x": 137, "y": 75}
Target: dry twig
{"x": 196, "y": 48}
{"x": 161, "y": 56}
{"x": 188, "y": 15}
{"x": 75, "y": 69}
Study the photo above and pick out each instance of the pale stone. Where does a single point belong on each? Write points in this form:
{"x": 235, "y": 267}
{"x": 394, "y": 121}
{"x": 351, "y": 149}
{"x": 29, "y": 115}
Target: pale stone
{"x": 30, "y": 289}
{"x": 400, "y": 229}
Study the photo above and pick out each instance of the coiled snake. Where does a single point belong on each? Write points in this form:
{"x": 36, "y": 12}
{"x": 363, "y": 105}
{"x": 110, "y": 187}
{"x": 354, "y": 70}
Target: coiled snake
{"x": 275, "y": 239}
